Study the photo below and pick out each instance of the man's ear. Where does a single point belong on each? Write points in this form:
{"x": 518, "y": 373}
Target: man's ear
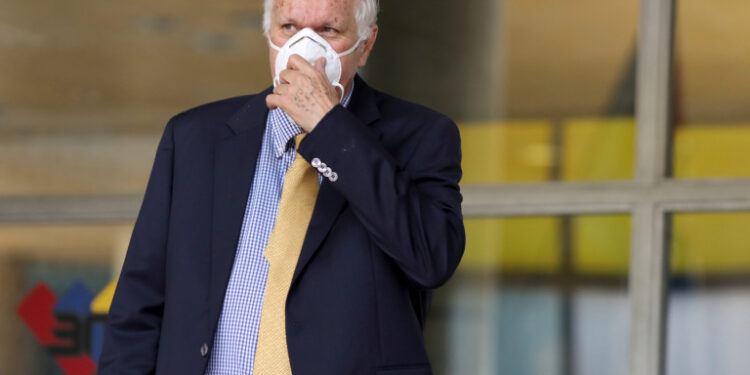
{"x": 367, "y": 45}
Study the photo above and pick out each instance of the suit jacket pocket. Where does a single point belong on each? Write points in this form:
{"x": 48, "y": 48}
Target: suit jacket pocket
{"x": 404, "y": 370}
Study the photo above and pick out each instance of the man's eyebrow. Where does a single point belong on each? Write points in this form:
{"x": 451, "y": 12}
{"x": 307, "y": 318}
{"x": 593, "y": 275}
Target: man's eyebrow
{"x": 330, "y": 23}
{"x": 333, "y": 24}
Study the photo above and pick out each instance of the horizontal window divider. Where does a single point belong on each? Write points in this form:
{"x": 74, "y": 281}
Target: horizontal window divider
{"x": 564, "y": 198}
{"x": 103, "y": 208}
{"x": 561, "y": 198}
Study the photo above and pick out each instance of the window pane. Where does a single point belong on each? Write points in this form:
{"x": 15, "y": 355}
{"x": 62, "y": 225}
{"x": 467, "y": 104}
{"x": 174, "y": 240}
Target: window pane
{"x": 708, "y": 329}
{"x": 86, "y": 87}
{"x": 712, "y": 118}
{"x": 58, "y": 274}
{"x": 537, "y": 94}
{"x": 536, "y": 295}
{"x": 75, "y": 162}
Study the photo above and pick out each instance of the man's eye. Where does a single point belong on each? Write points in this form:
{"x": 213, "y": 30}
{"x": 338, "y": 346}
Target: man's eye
{"x": 329, "y": 30}
{"x": 288, "y": 27}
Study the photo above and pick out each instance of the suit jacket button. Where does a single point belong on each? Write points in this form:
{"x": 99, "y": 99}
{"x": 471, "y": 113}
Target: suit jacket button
{"x": 204, "y": 350}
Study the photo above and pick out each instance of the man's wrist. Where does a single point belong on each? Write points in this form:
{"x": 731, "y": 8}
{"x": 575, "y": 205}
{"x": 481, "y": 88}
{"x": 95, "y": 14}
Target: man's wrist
{"x": 323, "y": 118}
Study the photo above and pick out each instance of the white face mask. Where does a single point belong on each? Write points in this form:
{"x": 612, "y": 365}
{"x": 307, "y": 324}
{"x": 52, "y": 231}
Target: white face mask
{"x": 311, "y": 46}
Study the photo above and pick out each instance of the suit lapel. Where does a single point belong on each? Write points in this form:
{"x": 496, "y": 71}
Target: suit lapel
{"x": 236, "y": 153}
{"x": 330, "y": 203}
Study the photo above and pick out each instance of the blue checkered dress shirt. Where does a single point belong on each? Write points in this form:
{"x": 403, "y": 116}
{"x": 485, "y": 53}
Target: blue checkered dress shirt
{"x": 237, "y": 334}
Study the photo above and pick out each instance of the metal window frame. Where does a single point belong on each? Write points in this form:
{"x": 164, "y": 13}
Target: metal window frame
{"x": 649, "y": 198}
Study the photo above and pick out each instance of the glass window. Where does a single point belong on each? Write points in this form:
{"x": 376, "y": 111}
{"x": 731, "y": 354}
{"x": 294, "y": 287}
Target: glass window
{"x": 536, "y": 295}
{"x": 88, "y": 86}
{"x": 712, "y": 119}
{"x": 537, "y": 94}
{"x": 75, "y": 162}
{"x": 709, "y": 298}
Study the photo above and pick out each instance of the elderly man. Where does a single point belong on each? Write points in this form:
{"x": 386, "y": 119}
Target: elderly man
{"x": 296, "y": 231}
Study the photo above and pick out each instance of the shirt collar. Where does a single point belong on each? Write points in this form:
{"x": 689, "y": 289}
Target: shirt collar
{"x": 283, "y": 129}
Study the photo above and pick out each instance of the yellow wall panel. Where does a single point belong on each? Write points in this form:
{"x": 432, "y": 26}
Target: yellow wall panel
{"x": 601, "y": 244}
{"x": 710, "y": 243}
{"x": 598, "y": 149}
{"x": 712, "y": 151}
{"x": 506, "y": 152}
{"x": 528, "y": 244}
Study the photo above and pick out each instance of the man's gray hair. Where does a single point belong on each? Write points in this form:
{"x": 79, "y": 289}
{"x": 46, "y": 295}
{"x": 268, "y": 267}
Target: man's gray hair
{"x": 366, "y": 14}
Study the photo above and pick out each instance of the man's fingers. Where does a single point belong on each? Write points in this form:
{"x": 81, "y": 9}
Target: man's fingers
{"x": 274, "y": 101}
{"x": 291, "y": 77}
{"x": 320, "y": 65}
{"x": 282, "y": 89}
{"x": 270, "y": 102}
{"x": 297, "y": 62}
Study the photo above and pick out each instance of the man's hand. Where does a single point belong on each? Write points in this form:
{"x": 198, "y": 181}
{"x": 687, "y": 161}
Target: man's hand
{"x": 304, "y": 92}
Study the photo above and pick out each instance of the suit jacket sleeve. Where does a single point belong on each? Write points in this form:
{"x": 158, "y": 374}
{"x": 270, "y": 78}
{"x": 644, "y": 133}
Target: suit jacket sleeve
{"x": 411, "y": 210}
{"x": 135, "y": 316}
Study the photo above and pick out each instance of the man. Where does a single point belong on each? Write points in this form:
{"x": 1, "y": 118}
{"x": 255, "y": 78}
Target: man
{"x": 261, "y": 251}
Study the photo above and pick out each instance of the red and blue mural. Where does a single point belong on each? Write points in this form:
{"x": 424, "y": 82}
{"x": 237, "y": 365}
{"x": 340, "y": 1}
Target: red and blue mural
{"x": 69, "y": 326}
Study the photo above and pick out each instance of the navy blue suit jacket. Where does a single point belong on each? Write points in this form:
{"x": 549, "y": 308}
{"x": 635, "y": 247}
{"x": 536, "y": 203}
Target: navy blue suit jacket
{"x": 381, "y": 237}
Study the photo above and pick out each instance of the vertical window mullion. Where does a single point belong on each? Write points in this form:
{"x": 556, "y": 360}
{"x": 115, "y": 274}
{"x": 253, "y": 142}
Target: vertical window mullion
{"x": 649, "y": 256}
{"x": 647, "y": 287}
{"x": 653, "y": 94}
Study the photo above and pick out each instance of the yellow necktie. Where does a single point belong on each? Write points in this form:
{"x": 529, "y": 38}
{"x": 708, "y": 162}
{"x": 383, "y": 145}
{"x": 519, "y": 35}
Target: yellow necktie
{"x": 282, "y": 252}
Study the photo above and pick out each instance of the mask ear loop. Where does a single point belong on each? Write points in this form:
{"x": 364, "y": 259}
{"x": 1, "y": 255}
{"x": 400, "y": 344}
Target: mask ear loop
{"x": 276, "y": 80}
{"x": 350, "y": 50}
{"x": 338, "y": 85}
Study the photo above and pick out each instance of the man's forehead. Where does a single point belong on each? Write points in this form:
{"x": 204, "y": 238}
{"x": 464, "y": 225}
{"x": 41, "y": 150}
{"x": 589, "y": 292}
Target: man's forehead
{"x": 319, "y": 12}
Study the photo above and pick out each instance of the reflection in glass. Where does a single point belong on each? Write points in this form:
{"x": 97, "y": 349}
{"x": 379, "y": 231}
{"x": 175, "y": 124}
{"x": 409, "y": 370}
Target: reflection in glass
{"x": 86, "y": 87}
{"x": 536, "y": 295}
{"x": 538, "y": 96}
{"x": 708, "y": 325}
{"x": 712, "y": 88}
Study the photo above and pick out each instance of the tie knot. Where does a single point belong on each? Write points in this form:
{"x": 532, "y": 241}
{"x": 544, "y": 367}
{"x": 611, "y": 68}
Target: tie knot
{"x": 298, "y": 139}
